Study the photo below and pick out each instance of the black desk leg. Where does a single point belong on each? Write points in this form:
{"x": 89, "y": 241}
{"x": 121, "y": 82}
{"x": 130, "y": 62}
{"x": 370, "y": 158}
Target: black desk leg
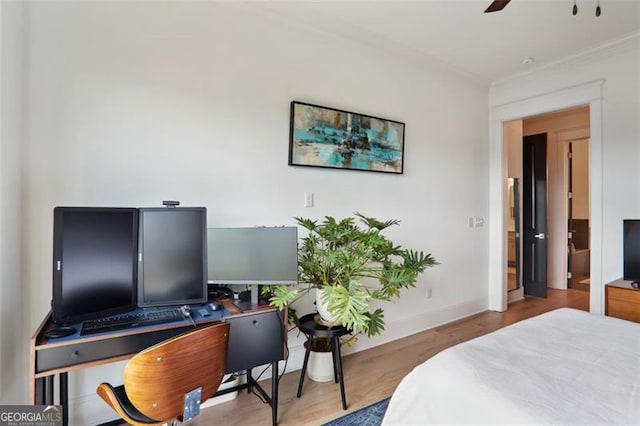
{"x": 40, "y": 386}
{"x": 336, "y": 344}
{"x": 274, "y": 393}
{"x": 47, "y": 398}
{"x": 249, "y": 381}
{"x": 64, "y": 397}
{"x": 304, "y": 365}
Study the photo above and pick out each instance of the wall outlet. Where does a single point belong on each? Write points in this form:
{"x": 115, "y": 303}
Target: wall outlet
{"x": 429, "y": 293}
{"x": 472, "y": 222}
{"x": 479, "y": 222}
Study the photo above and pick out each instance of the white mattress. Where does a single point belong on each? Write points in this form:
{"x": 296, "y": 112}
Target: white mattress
{"x": 565, "y": 366}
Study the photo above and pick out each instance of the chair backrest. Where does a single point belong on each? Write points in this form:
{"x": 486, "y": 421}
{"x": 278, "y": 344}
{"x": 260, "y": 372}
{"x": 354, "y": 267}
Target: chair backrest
{"x": 157, "y": 379}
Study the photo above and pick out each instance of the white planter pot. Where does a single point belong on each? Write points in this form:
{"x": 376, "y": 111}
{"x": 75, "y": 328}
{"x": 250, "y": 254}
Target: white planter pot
{"x": 320, "y": 366}
{"x": 322, "y": 308}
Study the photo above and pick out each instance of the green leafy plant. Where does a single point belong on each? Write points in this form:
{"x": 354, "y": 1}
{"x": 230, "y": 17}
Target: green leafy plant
{"x": 355, "y": 264}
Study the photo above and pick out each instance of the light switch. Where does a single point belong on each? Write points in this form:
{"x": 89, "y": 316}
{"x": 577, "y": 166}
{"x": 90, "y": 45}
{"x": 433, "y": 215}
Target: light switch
{"x": 479, "y": 222}
{"x": 308, "y": 199}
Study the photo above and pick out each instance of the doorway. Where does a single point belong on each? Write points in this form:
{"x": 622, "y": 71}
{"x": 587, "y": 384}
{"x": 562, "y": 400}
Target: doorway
{"x": 514, "y": 262}
{"x": 501, "y": 113}
{"x": 578, "y": 227}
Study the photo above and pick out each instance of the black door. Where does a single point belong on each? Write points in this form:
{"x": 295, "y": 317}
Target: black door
{"x": 534, "y": 215}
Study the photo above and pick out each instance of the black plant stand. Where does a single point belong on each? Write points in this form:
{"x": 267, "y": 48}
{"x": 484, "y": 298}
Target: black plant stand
{"x": 313, "y": 330}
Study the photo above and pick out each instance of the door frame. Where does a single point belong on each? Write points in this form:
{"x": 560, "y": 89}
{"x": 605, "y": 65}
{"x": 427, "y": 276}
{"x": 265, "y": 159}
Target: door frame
{"x": 589, "y": 93}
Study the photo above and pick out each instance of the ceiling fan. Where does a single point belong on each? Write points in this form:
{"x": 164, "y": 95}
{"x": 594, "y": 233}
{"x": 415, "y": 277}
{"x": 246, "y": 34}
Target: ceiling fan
{"x": 497, "y": 5}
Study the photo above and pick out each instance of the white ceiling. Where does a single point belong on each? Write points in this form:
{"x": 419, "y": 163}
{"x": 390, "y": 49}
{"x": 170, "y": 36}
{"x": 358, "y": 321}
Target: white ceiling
{"x": 457, "y": 33}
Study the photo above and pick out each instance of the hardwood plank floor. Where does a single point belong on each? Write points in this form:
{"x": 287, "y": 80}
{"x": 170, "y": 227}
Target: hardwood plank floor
{"x": 373, "y": 374}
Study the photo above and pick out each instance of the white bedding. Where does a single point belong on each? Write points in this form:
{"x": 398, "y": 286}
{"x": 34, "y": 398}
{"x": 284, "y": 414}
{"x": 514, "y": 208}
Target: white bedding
{"x": 565, "y": 366}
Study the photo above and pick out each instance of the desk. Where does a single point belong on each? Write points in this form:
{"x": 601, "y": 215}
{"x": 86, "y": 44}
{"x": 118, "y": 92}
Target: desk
{"x": 256, "y": 337}
{"x": 313, "y": 330}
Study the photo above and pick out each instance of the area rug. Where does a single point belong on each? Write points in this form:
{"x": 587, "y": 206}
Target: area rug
{"x": 370, "y": 415}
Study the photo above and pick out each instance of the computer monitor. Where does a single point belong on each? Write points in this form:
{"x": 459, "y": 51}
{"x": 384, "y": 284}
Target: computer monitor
{"x": 631, "y": 250}
{"x": 94, "y": 262}
{"x": 258, "y": 255}
{"x": 172, "y": 256}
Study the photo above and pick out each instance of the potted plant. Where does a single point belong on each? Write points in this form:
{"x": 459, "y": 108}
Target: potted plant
{"x": 351, "y": 265}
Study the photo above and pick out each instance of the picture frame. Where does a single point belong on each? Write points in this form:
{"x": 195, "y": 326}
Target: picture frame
{"x": 337, "y": 139}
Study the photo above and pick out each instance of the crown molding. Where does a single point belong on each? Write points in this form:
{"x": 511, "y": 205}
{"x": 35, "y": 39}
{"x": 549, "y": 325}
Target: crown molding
{"x": 607, "y": 49}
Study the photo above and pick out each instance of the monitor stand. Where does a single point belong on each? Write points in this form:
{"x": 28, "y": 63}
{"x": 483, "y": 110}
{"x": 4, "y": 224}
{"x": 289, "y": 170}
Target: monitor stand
{"x": 243, "y": 305}
{"x": 248, "y": 305}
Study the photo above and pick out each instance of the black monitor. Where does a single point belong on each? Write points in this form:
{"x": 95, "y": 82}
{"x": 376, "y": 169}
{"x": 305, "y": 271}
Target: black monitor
{"x": 172, "y": 256}
{"x": 631, "y": 250}
{"x": 259, "y": 255}
{"x": 94, "y": 262}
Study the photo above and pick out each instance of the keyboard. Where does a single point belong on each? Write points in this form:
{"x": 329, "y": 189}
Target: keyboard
{"x": 130, "y": 320}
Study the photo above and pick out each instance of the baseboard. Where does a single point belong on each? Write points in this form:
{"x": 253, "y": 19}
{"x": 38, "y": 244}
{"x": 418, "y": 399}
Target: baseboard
{"x": 90, "y": 410}
{"x": 230, "y": 381}
{"x": 515, "y": 295}
{"x": 394, "y": 330}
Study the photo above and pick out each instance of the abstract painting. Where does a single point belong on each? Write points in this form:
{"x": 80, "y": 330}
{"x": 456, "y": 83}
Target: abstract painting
{"x": 333, "y": 138}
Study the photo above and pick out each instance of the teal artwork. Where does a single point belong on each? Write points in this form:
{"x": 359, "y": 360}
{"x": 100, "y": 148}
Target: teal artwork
{"x": 327, "y": 137}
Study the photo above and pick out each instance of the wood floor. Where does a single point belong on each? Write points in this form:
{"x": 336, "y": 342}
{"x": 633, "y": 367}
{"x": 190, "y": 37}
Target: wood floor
{"x": 373, "y": 374}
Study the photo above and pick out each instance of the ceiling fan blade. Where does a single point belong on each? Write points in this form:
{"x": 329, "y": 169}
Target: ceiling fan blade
{"x": 497, "y": 5}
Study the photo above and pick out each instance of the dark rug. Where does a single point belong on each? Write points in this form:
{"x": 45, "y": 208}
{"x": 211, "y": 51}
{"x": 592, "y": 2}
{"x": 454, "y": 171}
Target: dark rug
{"x": 370, "y": 415}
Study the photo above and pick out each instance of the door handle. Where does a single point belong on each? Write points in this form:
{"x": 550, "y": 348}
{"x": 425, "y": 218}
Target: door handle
{"x": 540, "y": 236}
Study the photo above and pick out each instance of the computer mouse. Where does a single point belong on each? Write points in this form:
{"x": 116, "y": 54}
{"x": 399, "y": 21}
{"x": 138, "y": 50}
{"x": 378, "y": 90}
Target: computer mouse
{"x": 215, "y": 306}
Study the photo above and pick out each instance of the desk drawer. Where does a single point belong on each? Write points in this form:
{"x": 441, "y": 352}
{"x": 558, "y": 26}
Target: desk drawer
{"x": 77, "y": 354}
{"x": 255, "y": 340}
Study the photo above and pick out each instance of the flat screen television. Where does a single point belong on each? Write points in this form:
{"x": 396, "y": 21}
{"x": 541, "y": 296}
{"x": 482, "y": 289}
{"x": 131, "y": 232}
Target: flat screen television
{"x": 258, "y": 255}
{"x": 94, "y": 262}
{"x": 631, "y": 250}
{"x": 172, "y": 256}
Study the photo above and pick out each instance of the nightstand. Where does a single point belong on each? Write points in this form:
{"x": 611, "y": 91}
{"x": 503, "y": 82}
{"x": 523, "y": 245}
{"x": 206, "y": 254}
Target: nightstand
{"x": 622, "y": 301}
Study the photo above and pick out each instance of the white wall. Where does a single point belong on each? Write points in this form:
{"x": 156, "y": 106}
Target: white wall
{"x": 131, "y": 103}
{"x": 13, "y": 334}
{"x": 618, "y": 139}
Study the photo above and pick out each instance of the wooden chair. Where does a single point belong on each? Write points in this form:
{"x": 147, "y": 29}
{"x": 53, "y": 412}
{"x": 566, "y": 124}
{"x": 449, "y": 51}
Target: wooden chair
{"x": 157, "y": 379}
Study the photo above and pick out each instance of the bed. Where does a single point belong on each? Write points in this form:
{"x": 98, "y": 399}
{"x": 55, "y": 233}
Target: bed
{"x": 564, "y": 366}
